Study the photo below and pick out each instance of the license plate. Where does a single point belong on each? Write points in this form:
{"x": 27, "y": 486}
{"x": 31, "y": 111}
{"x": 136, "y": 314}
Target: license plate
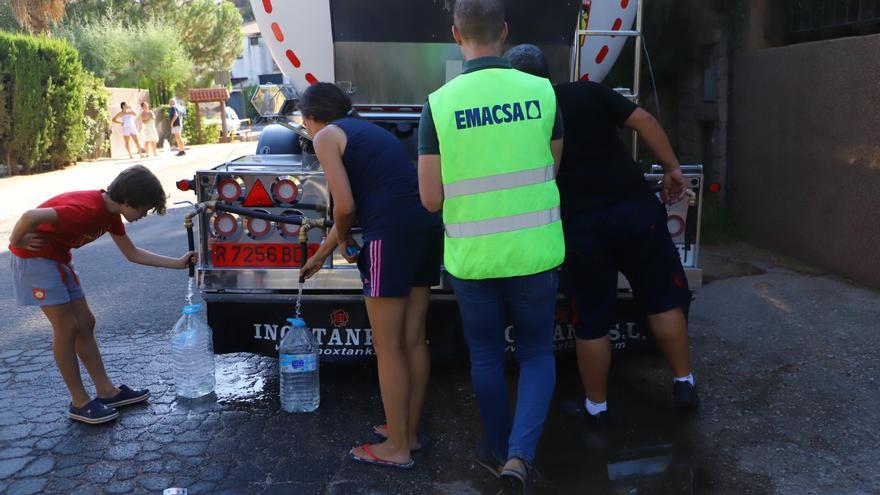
{"x": 227, "y": 254}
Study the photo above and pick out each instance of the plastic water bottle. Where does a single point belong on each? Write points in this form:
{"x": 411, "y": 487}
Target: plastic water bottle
{"x": 298, "y": 365}
{"x": 192, "y": 354}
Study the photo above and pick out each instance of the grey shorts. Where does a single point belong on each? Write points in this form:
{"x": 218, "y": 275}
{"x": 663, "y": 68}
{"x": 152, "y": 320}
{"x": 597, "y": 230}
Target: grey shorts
{"x": 176, "y": 130}
{"x": 44, "y": 282}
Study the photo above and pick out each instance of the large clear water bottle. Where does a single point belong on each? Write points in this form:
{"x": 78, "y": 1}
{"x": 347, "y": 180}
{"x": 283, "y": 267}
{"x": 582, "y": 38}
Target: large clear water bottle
{"x": 192, "y": 354}
{"x": 298, "y": 365}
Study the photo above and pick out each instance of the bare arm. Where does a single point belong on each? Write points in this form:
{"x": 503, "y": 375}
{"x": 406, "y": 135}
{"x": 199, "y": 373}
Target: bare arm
{"x": 115, "y": 118}
{"x": 430, "y": 182}
{"x": 658, "y": 144}
{"x": 143, "y": 257}
{"x": 329, "y": 145}
{"x": 556, "y": 149}
{"x": 23, "y": 235}
{"x": 653, "y": 136}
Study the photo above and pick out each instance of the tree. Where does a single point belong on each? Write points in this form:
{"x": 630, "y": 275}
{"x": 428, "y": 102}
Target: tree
{"x": 211, "y": 33}
{"x": 8, "y": 22}
{"x": 123, "y": 11}
{"x": 148, "y": 55}
{"x": 37, "y": 15}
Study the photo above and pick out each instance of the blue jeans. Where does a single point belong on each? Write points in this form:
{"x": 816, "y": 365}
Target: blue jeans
{"x": 530, "y": 304}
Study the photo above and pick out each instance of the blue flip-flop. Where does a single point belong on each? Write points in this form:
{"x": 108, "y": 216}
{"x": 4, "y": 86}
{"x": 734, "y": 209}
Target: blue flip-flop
{"x": 125, "y": 397}
{"x": 376, "y": 460}
{"x": 93, "y": 413}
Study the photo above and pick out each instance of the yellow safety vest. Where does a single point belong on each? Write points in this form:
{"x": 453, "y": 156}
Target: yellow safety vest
{"x": 501, "y": 204}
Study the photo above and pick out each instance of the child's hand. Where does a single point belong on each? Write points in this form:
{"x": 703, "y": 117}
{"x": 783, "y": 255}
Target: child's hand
{"x": 31, "y": 242}
{"x": 186, "y": 259}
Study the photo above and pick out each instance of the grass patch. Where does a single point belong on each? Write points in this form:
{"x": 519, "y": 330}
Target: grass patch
{"x": 718, "y": 226}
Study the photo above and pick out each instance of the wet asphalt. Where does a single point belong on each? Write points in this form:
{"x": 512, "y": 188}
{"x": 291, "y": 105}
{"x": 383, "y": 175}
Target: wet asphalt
{"x": 784, "y": 356}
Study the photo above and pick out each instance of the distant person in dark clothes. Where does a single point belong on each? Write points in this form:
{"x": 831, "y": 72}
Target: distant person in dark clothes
{"x": 175, "y": 120}
{"x": 372, "y": 179}
{"x": 613, "y": 222}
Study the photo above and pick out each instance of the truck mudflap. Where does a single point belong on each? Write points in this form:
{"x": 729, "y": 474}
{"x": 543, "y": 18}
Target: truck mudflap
{"x": 342, "y": 328}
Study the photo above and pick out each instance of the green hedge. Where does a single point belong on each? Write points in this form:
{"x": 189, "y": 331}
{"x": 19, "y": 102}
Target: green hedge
{"x": 96, "y": 118}
{"x": 41, "y": 112}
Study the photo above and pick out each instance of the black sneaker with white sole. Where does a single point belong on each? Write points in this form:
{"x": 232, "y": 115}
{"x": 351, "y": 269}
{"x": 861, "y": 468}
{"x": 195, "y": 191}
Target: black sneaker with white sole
{"x": 684, "y": 396}
{"x": 125, "y": 397}
{"x": 93, "y": 413}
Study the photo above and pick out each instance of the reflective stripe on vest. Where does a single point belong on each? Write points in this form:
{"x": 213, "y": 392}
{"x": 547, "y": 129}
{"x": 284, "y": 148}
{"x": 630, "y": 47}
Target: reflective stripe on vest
{"x": 503, "y": 224}
{"x": 499, "y": 182}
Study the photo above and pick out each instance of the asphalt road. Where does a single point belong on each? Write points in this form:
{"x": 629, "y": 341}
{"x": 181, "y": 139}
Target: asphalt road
{"x": 785, "y": 358}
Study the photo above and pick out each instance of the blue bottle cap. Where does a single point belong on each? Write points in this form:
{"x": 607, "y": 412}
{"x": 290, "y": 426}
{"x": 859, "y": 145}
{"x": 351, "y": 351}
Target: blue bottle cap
{"x": 297, "y": 322}
{"x": 191, "y": 309}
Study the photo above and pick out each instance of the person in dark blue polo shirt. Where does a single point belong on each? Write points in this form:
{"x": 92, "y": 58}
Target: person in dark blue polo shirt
{"x": 613, "y": 222}
{"x": 373, "y": 180}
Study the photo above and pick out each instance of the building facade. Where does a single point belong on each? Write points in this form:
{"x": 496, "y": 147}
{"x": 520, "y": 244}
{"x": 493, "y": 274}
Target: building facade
{"x": 804, "y": 145}
{"x": 255, "y": 65}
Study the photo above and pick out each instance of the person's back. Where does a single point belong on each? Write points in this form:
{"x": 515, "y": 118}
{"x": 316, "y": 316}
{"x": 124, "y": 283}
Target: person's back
{"x": 614, "y": 224}
{"x": 489, "y": 142}
{"x": 495, "y": 125}
{"x": 383, "y": 181}
{"x": 83, "y": 218}
{"x": 597, "y": 168}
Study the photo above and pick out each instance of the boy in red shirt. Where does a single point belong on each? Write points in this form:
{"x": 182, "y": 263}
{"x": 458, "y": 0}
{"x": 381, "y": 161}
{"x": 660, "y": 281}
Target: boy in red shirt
{"x": 44, "y": 276}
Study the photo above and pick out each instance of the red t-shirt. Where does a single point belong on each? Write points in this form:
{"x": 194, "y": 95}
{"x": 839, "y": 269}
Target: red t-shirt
{"x": 82, "y": 218}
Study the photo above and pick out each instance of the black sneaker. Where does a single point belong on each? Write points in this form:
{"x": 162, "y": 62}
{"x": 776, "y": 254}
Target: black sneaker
{"x": 684, "y": 396}
{"x": 181, "y": 153}
{"x": 93, "y": 413}
{"x": 125, "y": 397}
{"x": 576, "y": 409}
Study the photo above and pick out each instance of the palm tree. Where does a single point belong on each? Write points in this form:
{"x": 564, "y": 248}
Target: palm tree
{"x": 37, "y": 15}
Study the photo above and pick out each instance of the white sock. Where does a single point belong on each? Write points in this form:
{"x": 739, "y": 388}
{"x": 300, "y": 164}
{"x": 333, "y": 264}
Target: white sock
{"x": 594, "y": 408}
{"x": 689, "y": 378}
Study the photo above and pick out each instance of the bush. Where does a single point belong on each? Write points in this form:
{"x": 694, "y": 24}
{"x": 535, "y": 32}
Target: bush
{"x": 717, "y": 223}
{"x": 96, "y": 118}
{"x": 190, "y": 136}
{"x": 42, "y": 111}
{"x": 212, "y": 133}
{"x": 163, "y": 128}
{"x": 247, "y": 93}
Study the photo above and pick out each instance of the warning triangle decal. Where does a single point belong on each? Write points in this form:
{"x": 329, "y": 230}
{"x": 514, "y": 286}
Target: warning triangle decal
{"x": 258, "y": 196}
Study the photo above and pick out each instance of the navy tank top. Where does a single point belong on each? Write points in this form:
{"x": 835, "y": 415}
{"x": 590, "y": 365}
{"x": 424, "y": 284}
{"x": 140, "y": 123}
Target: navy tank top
{"x": 384, "y": 182}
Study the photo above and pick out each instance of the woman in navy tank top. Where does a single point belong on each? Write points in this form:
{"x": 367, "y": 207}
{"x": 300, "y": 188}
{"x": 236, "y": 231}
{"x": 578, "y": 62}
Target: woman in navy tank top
{"x": 373, "y": 181}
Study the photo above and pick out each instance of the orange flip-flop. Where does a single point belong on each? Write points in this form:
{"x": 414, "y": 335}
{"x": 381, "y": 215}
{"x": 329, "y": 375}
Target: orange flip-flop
{"x": 376, "y": 460}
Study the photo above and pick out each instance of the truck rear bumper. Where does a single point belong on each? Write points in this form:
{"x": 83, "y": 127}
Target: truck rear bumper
{"x": 256, "y": 323}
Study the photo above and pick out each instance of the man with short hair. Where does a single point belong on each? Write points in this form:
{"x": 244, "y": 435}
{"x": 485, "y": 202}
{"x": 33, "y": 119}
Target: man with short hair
{"x": 175, "y": 119}
{"x": 490, "y": 142}
{"x": 614, "y": 222}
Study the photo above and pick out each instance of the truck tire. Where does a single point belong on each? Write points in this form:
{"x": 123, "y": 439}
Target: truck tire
{"x": 278, "y": 140}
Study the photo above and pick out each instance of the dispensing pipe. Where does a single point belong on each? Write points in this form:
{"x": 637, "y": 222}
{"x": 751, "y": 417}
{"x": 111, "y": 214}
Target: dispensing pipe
{"x": 306, "y": 223}
{"x": 305, "y": 226}
{"x": 188, "y": 223}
